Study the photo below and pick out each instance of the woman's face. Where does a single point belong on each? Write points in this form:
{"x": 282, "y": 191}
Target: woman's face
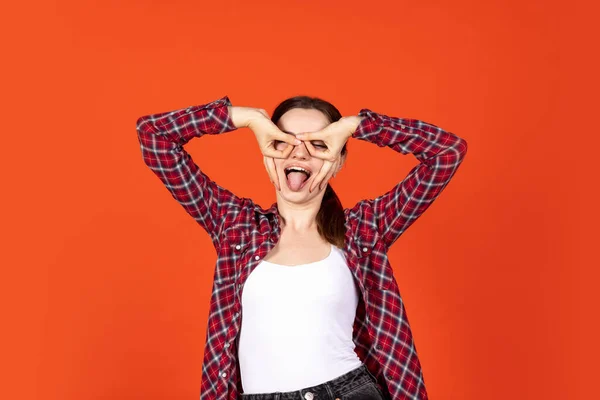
{"x": 295, "y": 121}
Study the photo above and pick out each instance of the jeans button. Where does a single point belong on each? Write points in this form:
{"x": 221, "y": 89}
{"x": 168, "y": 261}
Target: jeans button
{"x": 309, "y": 396}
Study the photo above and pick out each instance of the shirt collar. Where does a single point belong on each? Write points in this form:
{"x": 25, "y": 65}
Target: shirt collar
{"x": 272, "y": 211}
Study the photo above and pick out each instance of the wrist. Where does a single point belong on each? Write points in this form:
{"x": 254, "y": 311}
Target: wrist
{"x": 354, "y": 122}
{"x": 243, "y": 116}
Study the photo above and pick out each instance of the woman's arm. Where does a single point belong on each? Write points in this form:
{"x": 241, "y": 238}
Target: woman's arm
{"x": 162, "y": 137}
{"x": 440, "y": 153}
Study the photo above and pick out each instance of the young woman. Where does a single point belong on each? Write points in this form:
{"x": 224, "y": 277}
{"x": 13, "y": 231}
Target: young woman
{"x": 322, "y": 313}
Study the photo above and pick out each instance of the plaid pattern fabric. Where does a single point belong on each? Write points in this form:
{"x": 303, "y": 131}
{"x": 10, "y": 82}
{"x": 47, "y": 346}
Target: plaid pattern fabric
{"x": 243, "y": 233}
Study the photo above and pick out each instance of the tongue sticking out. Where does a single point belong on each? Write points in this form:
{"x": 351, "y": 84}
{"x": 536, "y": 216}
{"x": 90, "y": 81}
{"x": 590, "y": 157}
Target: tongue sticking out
{"x": 296, "y": 179}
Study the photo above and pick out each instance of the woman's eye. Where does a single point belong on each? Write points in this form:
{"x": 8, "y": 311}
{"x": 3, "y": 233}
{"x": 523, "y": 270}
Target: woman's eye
{"x": 278, "y": 143}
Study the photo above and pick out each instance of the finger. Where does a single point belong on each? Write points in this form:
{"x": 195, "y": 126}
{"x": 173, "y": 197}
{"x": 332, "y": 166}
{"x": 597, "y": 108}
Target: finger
{"x": 317, "y": 174}
{"x": 288, "y": 150}
{"x": 274, "y": 153}
{"x": 271, "y": 163}
{"x": 326, "y": 154}
{"x": 329, "y": 175}
{"x": 311, "y": 149}
{"x": 290, "y": 139}
{"x": 325, "y": 168}
{"x": 272, "y": 177}
{"x": 325, "y": 179}
{"x": 309, "y": 135}
{"x": 272, "y": 170}
{"x": 268, "y": 170}
{"x": 319, "y": 153}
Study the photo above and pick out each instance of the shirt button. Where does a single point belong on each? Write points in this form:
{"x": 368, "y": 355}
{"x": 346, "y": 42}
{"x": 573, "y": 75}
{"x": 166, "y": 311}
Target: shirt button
{"x": 224, "y": 374}
{"x": 389, "y": 376}
{"x": 379, "y": 347}
{"x": 257, "y": 258}
{"x": 226, "y": 345}
{"x": 238, "y": 247}
{"x": 365, "y": 249}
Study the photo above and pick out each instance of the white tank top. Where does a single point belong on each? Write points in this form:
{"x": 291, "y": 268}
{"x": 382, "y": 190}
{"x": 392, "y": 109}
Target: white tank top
{"x": 297, "y": 325}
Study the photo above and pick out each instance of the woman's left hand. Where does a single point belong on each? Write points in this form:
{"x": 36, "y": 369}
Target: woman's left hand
{"x": 334, "y": 136}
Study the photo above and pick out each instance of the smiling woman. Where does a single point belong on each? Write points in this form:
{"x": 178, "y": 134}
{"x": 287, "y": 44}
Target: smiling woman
{"x": 301, "y": 114}
{"x": 332, "y": 324}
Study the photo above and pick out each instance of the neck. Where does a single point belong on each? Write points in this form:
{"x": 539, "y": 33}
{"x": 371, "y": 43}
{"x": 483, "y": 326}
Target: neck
{"x": 300, "y": 217}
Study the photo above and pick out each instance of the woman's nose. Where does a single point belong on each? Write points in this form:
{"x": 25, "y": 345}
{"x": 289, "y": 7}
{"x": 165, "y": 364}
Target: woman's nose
{"x": 300, "y": 150}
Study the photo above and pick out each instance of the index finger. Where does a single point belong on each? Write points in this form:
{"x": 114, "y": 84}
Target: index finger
{"x": 327, "y": 154}
{"x": 325, "y": 168}
{"x": 309, "y": 135}
{"x": 272, "y": 152}
{"x": 289, "y": 138}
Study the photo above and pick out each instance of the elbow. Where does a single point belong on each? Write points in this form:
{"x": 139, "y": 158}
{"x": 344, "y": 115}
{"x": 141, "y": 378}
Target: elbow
{"x": 141, "y": 125}
{"x": 462, "y": 147}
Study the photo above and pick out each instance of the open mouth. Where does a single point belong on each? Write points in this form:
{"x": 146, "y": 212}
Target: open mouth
{"x": 297, "y": 177}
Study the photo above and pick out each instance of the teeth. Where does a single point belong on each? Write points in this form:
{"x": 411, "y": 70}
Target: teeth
{"x": 297, "y": 169}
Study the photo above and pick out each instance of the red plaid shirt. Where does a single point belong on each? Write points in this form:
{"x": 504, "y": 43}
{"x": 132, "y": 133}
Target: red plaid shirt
{"x": 243, "y": 233}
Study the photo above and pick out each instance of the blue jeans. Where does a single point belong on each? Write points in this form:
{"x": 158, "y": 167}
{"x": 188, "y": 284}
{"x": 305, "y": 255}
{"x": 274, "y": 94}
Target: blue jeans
{"x": 357, "y": 384}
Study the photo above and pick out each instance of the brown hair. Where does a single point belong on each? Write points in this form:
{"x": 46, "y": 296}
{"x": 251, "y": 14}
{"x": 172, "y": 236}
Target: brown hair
{"x": 330, "y": 218}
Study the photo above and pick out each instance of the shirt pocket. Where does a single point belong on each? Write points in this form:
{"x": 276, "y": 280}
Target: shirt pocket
{"x": 233, "y": 247}
{"x": 373, "y": 261}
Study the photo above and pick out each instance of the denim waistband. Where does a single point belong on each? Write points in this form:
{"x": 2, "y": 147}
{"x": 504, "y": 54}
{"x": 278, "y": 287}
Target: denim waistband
{"x": 340, "y": 385}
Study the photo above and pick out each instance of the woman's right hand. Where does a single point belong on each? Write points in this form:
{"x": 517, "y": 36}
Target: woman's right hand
{"x": 267, "y": 133}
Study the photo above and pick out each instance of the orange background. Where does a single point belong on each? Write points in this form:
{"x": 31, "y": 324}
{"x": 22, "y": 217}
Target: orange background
{"x": 106, "y": 280}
